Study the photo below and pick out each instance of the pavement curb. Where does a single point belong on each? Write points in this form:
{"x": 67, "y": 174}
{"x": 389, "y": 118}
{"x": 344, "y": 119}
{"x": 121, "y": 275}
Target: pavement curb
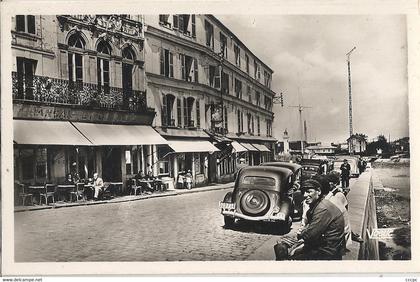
{"x": 128, "y": 198}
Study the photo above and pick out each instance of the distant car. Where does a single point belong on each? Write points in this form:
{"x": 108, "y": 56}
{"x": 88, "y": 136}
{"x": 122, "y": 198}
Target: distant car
{"x": 261, "y": 194}
{"x": 297, "y": 196}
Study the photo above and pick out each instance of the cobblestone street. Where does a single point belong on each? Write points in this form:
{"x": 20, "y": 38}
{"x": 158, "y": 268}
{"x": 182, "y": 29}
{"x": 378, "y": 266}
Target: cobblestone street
{"x": 183, "y": 227}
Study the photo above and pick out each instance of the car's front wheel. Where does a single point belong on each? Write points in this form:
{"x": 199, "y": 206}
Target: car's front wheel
{"x": 229, "y": 221}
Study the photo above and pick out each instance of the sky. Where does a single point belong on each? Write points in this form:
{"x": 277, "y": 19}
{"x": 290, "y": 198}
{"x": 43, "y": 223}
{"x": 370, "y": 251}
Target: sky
{"x": 308, "y": 56}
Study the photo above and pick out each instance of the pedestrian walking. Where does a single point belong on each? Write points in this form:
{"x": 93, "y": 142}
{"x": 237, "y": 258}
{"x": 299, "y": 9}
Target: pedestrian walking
{"x": 345, "y": 174}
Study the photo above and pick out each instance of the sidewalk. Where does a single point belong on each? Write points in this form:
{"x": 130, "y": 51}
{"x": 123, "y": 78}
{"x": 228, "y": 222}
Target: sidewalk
{"x": 128, "y": 198}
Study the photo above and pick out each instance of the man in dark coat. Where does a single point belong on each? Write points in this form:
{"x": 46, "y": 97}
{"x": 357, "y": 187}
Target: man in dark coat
{"x": 345, "y": 174}
{"x": 323, "y": 236}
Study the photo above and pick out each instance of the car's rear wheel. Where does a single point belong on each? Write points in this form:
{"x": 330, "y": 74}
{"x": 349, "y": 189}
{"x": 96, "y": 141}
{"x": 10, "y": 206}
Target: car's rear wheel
{"x": 229, "y": 221}
{"x": 255, "y": 202}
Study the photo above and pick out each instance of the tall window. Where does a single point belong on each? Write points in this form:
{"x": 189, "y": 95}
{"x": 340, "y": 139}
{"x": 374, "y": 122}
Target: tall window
{"x": 267, "y": 79}
{"x": 189, "y": 68}
{"x": 237, "y": 52}
{"x": 238, "y": 88}
{"x": 226, "y": 119}
{"x": 25, "y": 73}
{"x": 166, "y": 63}
{"x": 258, "y": 98}
{"x": 188, "y": 112}
{"x": 127, "y": 73}
{"x": 268, "y": 123}
{"x": 209, "y": 34}
{"x": 257, "y": 71}
{"x": 104, "y": 54}
{"x": 75, "y": 60}
{"x": 25, "y": 23}
{"x": 247, "y": 63}
{"x": 214, "y": 76}
{"x": 197, "y": 111}
{"x": 249, "y": 93}
{"x": 193, "y": 25}
{"x": 225, "y": 83}
{"x": 248, "y": 119}
{"x": 258, "y": 126}
{"x": 223, "y": 45}
{"x": 164, "y": 20}
{"x": 179, "y": 111}
{"x": 167, "y": 110}
{"x": 240, "y": 122}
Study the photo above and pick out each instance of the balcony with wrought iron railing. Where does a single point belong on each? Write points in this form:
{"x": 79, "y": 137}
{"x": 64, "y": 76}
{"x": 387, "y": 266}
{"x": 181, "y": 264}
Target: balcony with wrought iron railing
{"x": 54, "y": 91}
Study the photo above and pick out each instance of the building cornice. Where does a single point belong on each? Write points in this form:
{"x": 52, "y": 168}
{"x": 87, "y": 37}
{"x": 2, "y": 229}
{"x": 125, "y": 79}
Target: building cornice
{"x": 153, "y": 31}
{"x": 47, "y": 53}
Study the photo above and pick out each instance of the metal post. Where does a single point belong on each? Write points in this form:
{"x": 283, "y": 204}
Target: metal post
{"x": 350, "y": 102}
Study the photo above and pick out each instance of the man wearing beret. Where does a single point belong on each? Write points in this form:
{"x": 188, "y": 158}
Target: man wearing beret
{"x": 323, "y": 235}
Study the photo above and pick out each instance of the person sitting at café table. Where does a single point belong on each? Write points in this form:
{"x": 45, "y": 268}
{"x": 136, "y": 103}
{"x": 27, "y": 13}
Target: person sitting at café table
{"x": 98, "y": 185}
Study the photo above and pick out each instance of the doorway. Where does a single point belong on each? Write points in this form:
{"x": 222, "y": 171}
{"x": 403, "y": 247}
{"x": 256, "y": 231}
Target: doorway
{"x": 111, "y": 164}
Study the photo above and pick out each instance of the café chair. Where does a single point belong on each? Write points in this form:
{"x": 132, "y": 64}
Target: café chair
{"x": 24, "y": 195}
{"x": 135, "y": 187}
{"x": 49, "y": 192}
{"x": 106, "y": 191}
{"x": 79, "y": 192}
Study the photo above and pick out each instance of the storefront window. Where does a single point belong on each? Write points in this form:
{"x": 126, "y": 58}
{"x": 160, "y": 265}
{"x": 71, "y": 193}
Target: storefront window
{"x": 163, "y": 164}
{"x": 128, "y": 162}
{"x": 27, "y": 158}
{"x": 41, "y": 163}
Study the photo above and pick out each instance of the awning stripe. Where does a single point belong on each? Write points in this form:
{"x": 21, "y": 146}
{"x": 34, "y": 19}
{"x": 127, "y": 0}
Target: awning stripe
{"x": 117, "y": 134}
{"x": 249, "y": 147}
{"x": 47, "y": 132}
{"x": 261, "y": 147}
{"x": 192, "y": 146}
{"x": 238, "y": 147}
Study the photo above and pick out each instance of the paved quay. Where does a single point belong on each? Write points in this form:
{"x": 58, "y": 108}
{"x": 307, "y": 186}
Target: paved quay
{"x": 127, "y": 198}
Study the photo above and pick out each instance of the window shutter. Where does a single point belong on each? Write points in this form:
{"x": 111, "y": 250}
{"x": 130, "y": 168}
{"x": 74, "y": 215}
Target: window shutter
{"x": 185, "y": 112}
{"x": 31, "y": 24}
{"x": 171, "y": 64}
{"x": 175, "y": 18}
{"x": 193, "y": 25}
{"x": 182, "y": 59}
{"x": 70, "y": 67}
{"x": 179, "y": 111}
{"x": 197, "y": 106}
{"x": 181, "y": 22}
{"x": 20, "y": 23}
{"x": 162, "y": 61}
{"x": 217, "y": 78}
{"x": 195, "y": 70}
{"x": 164, "y": 110}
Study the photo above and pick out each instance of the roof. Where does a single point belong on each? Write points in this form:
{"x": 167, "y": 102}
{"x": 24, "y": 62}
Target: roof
{"x": 320, "y": 147}
{"x": 292, "y": 166}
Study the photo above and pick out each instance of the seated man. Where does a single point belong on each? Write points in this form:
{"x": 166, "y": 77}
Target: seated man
{"x": 98, "y": 185}
{"x": 323, "y": 235}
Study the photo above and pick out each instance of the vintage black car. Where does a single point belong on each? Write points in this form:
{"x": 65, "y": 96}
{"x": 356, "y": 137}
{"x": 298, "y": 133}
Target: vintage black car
{"x": 261, "y": 194}
{"x": 297, "y": 179}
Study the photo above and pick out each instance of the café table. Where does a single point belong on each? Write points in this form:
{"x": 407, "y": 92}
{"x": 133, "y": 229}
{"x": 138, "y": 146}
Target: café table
{"x": 36, "y": 190}
{"x": 91, "y": 188}
{"x": 65, "y": 189}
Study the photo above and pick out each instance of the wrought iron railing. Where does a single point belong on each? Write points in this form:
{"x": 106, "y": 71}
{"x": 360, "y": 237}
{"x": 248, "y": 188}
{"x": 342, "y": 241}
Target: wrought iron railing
{"x": 59, "y": 91}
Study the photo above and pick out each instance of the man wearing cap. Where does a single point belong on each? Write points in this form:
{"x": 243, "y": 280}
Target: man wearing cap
{"x": 345, "y": 174}
{"x": 323, "y": 235}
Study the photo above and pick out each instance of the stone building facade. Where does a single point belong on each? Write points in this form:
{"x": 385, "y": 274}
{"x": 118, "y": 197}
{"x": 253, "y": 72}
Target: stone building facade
{"x": 117, "y": 94}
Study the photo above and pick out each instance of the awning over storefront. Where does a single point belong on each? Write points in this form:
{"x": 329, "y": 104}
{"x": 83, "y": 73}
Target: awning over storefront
{"x": 238, "y": 147}
{"x": 261, "y": 148}
{"x": 192, "y": 146}
{"x": 249, "y": 147}
{"x": 47, "y": 132}
{"x": 117, "y": 134}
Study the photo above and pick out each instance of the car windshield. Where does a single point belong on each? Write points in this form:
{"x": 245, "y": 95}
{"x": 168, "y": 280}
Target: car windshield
{"x": 259, "y": 180}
